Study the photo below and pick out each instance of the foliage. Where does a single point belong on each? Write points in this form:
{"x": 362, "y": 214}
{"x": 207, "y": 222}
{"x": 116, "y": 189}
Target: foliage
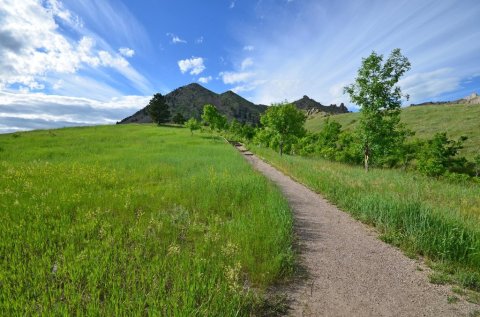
{"x": 379, "y": 98}
{"x": 282, "y": 126}
{"x": 437, "y": 155}
{"x": 178, "y": 118}
{"x": 192, "y": 124}
{"x": 476, "y": 161}
{"x": 213, "y": 118}
{"x": 133, "y": 220}
{"x": 434, "y": 218}
{"x": 241, "y": 132}
{"x": 158, "y": 109}
{"x": 456, "y": 120}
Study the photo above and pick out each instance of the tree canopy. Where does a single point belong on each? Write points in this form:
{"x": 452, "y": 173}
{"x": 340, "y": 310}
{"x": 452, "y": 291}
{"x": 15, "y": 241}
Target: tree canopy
{"x": 158, "y": 109}
{"x": 283, "y": 124}
{"x": 379, "y": 99}
{"x": 213, "y": 118}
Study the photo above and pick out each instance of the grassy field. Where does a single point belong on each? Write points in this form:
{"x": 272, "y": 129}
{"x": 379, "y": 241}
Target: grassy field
{"x": 421, "y": 215}
{"x": 135, "y": 220}
{"x": 456, "y": 120}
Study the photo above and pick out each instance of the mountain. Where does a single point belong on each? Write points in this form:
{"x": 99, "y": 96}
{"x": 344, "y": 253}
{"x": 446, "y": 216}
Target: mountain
{"x": 473, "y": 99}
{"x": 190, "y": 99}
{"x": 311, "y": 106}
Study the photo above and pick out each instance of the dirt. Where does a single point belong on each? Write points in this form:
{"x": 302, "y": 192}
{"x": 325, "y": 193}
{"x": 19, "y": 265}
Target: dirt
{"x": 348, "y": 270}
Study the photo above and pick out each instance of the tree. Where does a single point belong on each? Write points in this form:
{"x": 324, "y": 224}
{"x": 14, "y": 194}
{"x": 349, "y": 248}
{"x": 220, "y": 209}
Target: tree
{"x": 375, "y": 91}
{"x": 178, "y": 118}
{"x": 283, "y": 122}
{"x": 158, "y": 109}
{"x": 192, "y": 124}
{"x": 438, "y": 154}
{"x": 213, "y": 118}
{"x": 328, "y": 137}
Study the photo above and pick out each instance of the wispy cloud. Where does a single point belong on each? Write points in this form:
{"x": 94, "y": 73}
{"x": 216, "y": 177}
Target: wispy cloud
{"x": 26, "y": 111}
{"x": 175, "y": 39}
{"x": 248, "y": 48}
{"x": 35, "y": 50}
{"x": 127, "y": 52}
{"x": 235, "y": 77}
{"x": 246, "y": 63}
{"x": 205, "y": 80}
{"x": 291, "y": 60}
{"x": 193, "y": 65}
{"x": 199, "y": 40}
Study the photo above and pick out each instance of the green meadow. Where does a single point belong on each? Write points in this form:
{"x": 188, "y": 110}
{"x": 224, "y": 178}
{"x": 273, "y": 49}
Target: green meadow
{"x": 434, "y": 219}
{"x": 456, "y": 120}
{"x": 136, "y": 220}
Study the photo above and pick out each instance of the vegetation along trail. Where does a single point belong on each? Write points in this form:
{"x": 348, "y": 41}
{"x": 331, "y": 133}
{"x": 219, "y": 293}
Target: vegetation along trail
{"x": 349, "y": 272}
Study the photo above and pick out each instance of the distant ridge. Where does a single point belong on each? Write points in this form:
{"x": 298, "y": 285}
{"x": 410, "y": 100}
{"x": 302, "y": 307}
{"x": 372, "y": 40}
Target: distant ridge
{"x": 472, "y": 99}
{"x": 189, "y": 101}
{"x": 311, "y": 106}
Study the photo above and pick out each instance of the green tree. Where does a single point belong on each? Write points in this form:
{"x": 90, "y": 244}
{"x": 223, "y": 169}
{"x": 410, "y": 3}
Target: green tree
{"x": 437, "y": 155}
{"x": 213, "y": 118}
{"x": 284, "y": 123}
{"x": 158, "y": 109}
{"x": 192, "y": 124}
{"x": 328, "y": 138}
{"x": 379, "y": 99}
{"x": 178, "y": 118}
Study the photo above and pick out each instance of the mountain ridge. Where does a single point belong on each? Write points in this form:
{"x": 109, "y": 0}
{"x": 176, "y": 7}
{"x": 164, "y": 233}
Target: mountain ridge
{"x": 189, "y": 100}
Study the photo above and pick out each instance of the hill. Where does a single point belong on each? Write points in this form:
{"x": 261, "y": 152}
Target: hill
{"x": 455, "y": 119}
{"x": 312, "y": 107}
{"x": 189, "y": 101}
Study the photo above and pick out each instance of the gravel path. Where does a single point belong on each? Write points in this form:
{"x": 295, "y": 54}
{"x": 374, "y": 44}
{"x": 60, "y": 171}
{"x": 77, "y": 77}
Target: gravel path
{"x": 349, "y": 271}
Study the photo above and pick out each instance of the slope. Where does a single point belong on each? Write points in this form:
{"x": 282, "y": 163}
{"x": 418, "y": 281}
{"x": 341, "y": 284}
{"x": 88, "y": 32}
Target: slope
{"x": 456, "y": 120}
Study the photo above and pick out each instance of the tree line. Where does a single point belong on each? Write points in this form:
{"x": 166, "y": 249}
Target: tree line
{"x": 380, "y": 140}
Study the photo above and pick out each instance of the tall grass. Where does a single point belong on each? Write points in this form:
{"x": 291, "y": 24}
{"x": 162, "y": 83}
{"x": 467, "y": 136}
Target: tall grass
{"x": 135, "y": 220}
{"x": 421, "y": 215}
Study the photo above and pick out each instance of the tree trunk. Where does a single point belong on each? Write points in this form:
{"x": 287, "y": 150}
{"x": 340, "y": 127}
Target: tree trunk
{"x": 281, "y": 148}
{"x": 367, "y": 153}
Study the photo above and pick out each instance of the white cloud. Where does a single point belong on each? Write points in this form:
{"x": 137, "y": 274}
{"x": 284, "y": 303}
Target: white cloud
{"x": 430, "y": 84}
{"x": 175, "y": 39}
{"x": 192, "y": 65}
{"x": 205, "y": 80}
{"x": 248, "y": 48}
{"x": 199, "y": 40}
{"x": 247, "y": 62}
{"x": 34, "y": 49}
{"x": 127, "y": 52}
{"x": 26, "y": 111}
{"x": 235, "y": 77}
{"x": 331, "y": 56}
{"x": 232, "y": 4}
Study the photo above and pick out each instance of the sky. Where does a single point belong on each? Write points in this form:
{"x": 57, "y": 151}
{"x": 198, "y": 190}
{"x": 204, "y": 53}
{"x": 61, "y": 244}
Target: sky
{"x": 85, "y": 62}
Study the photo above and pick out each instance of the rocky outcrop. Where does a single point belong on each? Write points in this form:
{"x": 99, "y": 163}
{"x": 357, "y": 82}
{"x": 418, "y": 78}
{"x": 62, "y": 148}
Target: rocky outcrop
{"x": 312, "y": 107}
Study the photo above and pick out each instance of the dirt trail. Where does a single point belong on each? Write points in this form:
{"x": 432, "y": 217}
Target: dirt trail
{"x": 349, "y": 271}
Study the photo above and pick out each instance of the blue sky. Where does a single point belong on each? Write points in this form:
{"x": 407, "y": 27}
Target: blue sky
{"x": 83, "y": 62}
